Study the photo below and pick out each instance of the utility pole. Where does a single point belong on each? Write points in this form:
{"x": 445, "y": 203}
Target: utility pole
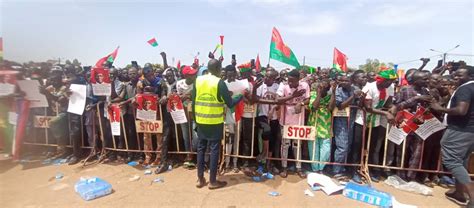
{"x": 304, "y": 57}
{"x": 445, "y": 53}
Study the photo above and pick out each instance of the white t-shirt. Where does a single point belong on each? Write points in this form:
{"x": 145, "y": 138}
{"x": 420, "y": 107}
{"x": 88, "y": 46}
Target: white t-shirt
{"x": 289, "y": 117}
{"x": 182, "y": 88}
{"x": 373, "y": 94}
{"x": 267, "y": 93}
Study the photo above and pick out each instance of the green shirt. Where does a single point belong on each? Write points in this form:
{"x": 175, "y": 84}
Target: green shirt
{"x": 321, "y": 118}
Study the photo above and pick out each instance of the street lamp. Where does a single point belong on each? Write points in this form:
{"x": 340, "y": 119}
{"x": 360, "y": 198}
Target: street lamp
{"x": 445, "y": 53}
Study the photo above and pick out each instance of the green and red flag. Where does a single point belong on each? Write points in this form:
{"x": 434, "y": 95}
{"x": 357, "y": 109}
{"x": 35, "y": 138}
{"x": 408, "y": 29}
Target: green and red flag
{"x": 280, "y": 52}
{"x": 153, "y": 42}
{"x": 339, "y": 61}
{"x": 109, "y": 58}
{"x": 245, "y": 67}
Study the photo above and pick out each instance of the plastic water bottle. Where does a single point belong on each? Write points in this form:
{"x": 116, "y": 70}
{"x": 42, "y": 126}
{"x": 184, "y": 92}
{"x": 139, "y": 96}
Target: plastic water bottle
{"x": 274, "y": 193}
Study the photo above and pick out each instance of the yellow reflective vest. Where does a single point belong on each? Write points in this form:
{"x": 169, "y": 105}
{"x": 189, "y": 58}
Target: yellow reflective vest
{"x": 207, "y": 108}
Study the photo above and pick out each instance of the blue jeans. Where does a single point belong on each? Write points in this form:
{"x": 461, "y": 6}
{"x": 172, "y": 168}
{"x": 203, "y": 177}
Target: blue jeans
{"x": 214, "y": 146}
{"x": 342, "y": 141}
{"x": 189, "y": 144}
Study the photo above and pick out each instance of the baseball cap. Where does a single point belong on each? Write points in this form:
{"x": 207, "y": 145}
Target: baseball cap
{"x": 187, "y": 70}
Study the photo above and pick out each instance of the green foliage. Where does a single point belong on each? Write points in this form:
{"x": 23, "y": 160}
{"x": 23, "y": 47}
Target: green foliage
{"x": 374, "y": 65}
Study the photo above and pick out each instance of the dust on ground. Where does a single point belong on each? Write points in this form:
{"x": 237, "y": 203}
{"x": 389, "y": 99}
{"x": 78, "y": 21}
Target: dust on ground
{"x": 30, "y": 184}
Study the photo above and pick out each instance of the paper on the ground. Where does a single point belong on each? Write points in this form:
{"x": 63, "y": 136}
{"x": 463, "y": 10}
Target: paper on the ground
{"x": 77, "y": 100}
{"x": 327, "y": 184}
{"x": 31, "y": 88}
{"x": 308, "y": 193}
{"x": 396, "y": 204}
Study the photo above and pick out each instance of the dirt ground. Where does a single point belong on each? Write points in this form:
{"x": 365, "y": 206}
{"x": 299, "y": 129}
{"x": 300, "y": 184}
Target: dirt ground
{"x": 28, "y": 184}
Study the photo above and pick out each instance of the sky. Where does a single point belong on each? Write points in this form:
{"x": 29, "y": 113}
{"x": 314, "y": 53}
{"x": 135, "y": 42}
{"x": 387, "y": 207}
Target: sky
{"x": 392, "y": 31}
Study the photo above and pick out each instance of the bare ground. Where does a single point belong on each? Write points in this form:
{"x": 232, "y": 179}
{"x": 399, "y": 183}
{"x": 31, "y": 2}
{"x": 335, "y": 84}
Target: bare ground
{"x": 29, "y": 184}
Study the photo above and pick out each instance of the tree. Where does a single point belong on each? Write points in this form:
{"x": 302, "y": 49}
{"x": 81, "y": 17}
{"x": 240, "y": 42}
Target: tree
{"x": 374, "y": 65}
{"x": 75, "y": 62}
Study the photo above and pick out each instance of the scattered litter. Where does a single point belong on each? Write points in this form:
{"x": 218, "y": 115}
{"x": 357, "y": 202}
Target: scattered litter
{"x": 315, "y": 188}
{"x": 260, "y": 169}
{"x": 326, "y": 183}
{"x": 268, "y": 175}
{"x": 46, "y": 162}
{"x": 132, "y": 163}
{"x": 307, "y": 192}
{"x": 367, "y": 194}
{"x": 396, "y": 204}
{"x": 257, "y": 178}
{"x": 274, "y": 193}
{"x": 59, "y": 176}
{"x": 148, "y": 172}
{"x": 134, "y": 178}
{"x": 92, "y": 188}
{"x": 59, "y": 161}
{"x": 414, "y": 187}
{"x": 158, "y": 180}
{"x": 170, "y": 168}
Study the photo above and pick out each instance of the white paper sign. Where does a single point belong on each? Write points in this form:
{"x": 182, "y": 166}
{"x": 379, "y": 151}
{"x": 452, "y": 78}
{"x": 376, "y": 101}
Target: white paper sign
{"x": 396, "y": 135}
{"x": 30, "y": 87}
{"x": 429, "y": 127}
{"x": 146, "y": 115}
{"x": 6, "y": 89}
{"x": 115, "y": 126}
{"x": 238, "y": 86}
{"x": 12, "y": 117}
{"x": 179, "y": 117}
{"x": 77, "y": 100}
{"x": 299, "y": 132}
{"x": 341, "y": 113}
{"x": 101, "y": 89}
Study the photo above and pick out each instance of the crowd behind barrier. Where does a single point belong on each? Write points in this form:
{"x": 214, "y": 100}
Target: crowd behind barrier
{"x": 345, "y": 124}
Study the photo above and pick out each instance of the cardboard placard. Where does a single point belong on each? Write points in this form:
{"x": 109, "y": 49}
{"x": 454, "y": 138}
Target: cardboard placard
{"x": 249, "y": 108}
{"x": 149, "y": 126}
{"x": 176, "y": 109}
{"x": 299, "y": 132}
{"x": 147, "y": 107}
{"x": 114, "y": 118}
{"x": 100, "y": 80}
{"x": 42, "y": 121}
{"x": 341, "y": 113}
{"x": 30, "y": 87}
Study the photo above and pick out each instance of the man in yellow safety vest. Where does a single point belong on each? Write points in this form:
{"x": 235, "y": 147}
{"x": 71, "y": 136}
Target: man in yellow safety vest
{"x": 209, "y": 96}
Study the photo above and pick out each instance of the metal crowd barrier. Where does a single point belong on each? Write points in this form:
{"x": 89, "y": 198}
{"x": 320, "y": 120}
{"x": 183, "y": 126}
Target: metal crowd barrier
{"x": 365, "y": 153}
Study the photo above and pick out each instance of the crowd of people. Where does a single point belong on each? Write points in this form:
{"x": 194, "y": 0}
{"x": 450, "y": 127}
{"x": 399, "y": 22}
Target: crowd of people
{"x": 346, "y": 108}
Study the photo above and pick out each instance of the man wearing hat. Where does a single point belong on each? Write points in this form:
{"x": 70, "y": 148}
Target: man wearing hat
{"x": 184, "y": 88}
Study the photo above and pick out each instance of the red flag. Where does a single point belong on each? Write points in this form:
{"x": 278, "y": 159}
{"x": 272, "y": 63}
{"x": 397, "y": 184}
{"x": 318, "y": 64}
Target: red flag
{"x": 179, "y": 65}
{"x": 340, "y": 60}
{"x": 20, "y": 128}
{"x": 257, "y": 64}
{"x": 239, "y": 110}
{"x": 109, "y": 58}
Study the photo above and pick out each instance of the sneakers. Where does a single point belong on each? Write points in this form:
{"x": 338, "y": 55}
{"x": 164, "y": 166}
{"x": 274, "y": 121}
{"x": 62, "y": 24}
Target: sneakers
{"x": 217, "y": 185}
{"x": 456, "y": 198}
{"x": 201, "y": 182}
